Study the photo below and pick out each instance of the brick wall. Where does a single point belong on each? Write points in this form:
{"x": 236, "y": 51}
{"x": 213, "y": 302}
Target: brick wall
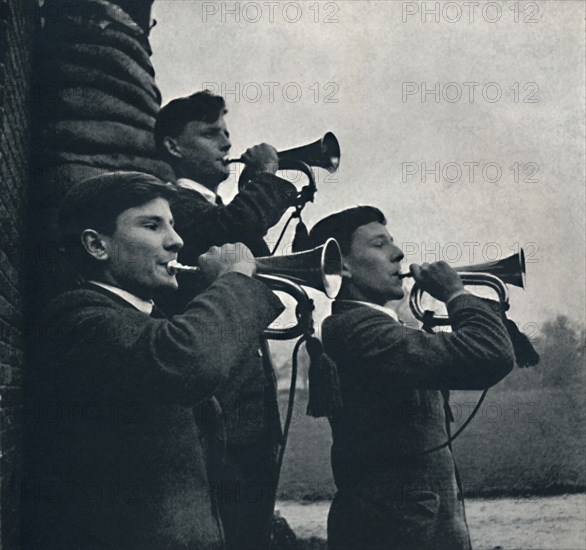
{"x": 17, "y": 19}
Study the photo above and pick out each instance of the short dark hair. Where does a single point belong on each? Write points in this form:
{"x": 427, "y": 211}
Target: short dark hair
{"x": 342, "y": 225}
{"x": 172, "y": 118}
{"x": 96, "y": 203}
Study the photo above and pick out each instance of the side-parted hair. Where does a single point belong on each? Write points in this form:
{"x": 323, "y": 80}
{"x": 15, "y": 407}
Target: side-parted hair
{"x": 172, "y": 118}
{"x": 342, "y": 225}
{"x": 96, "y": 203}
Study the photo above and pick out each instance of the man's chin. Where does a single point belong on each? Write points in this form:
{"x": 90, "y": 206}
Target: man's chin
{"x": 169, "y": 286}
{"x": 213, "y": 179}
{"x": 164, "y": 284}
{"x": 209, "y": 178}
{"x": 397, "y": 294}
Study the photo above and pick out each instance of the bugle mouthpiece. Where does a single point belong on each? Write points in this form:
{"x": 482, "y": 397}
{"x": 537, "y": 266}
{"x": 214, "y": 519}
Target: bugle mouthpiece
{"x": 174, "y": 267}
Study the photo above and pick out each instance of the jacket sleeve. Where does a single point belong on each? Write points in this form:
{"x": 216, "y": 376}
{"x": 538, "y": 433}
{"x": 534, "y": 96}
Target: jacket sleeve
{"x": 178, "y": 360}
{"x": 475, "y": 355}
{"x": 246, "y": 219}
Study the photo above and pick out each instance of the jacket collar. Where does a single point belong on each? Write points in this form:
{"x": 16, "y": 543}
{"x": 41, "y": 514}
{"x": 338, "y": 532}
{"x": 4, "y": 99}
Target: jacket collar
{"x": 121, "y": 296}
{"x": 207, "y": 194}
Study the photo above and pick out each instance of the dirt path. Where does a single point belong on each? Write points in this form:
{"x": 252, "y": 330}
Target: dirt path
{"x": 537, "y": 523}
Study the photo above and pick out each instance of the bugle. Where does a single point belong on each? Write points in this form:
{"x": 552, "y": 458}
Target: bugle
{"x": 495, "y": 275}
{"x": 322, "y": 153}
{"x": 319, "y": 268}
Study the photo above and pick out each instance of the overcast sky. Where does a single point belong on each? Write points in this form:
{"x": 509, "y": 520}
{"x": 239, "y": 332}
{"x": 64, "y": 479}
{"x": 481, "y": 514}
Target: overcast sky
{"x": 501, "y": 132}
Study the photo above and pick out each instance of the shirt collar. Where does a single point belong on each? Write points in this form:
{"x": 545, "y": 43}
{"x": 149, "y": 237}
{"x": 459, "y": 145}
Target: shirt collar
{"x": 146, "y": 306}
{"x": 387, "y": 311}
{"x": 208, "y": 194}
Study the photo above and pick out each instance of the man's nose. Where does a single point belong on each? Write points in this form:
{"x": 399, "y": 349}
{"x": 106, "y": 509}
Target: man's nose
{"x": 397, "y": 254}
{"x": 174, "y": 241}
{"x": 226, "y": 143}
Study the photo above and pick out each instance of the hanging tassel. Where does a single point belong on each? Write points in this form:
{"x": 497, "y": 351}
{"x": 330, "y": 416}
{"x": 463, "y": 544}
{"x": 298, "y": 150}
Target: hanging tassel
{"x": 325, "y": 392}
{"x": 525, "y": 354}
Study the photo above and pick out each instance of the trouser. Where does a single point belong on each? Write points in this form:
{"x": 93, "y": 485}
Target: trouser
{"x": 399, "y": 517}
{"x": 246, "y": 498}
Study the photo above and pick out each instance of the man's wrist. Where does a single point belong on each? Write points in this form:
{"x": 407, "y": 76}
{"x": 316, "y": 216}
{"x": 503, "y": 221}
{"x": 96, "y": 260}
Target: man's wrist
{"x": 455, "y": 294}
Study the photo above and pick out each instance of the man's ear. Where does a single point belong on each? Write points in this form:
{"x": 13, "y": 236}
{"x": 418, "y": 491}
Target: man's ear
{"x": 94, "y": 244}
{"x": 172, "y": 147}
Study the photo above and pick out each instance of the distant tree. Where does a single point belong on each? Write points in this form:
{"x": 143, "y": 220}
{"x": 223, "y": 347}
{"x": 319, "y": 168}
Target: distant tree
{"x": 562, "y": 345}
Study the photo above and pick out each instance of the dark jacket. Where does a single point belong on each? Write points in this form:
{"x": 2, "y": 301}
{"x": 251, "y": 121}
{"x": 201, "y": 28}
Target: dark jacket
{"x": 248, "y": 477}
{"x": 246, "y": 219}
{"x": 390, "y": 494}
{"x": 118, "y": 460}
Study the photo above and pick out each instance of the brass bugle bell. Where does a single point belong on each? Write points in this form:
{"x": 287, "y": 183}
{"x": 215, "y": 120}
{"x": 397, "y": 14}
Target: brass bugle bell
{"x": 495, "y": 275}
{"x": 319, "y": 268}
{"x": 322, "y": 153}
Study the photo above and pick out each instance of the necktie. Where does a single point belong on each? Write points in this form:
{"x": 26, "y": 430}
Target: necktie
{"x": 219, "y": 201}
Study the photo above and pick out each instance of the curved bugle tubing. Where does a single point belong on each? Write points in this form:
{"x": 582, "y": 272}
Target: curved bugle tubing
{"x": 495, "y": 275}
{"x": 322, "y": 153}
{"x": 319, "y": 268}
{"x": 303, "y": 311}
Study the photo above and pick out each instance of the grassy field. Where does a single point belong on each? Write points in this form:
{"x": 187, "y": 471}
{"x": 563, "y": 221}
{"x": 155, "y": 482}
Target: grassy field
{"x": 520, "y": 443}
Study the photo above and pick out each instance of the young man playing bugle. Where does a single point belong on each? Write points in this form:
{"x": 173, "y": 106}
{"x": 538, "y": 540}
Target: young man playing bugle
{"x": 122, "y": 417}
{"x": 395, "y": 492}
{"x": 192, "y": 136}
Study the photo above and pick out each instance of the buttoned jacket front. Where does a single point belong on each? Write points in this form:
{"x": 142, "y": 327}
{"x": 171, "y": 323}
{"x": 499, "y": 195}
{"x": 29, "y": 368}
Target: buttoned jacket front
{"x": 391, "y": 493}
